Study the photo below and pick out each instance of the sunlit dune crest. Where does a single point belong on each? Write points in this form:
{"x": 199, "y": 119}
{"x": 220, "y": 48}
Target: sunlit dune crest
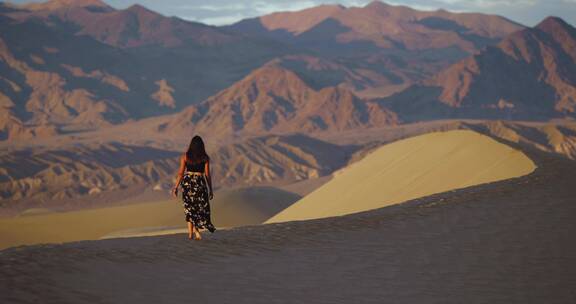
{"x": 409, "y": 169}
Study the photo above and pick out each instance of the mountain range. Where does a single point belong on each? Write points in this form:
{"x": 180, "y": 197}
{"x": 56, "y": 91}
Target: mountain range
{"x": 530, "y": 75}
{"x": 90, "y": 66}
{"x": 73, "y": 70}
{"x": 96, "y": 66}
{"x": 275, "y": 99}
{"x": 398, "y": 43}
{"x": 378, "y": 26}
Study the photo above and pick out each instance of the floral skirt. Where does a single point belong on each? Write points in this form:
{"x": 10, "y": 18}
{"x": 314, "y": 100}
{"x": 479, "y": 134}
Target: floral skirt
{"x": 196, "y": 201}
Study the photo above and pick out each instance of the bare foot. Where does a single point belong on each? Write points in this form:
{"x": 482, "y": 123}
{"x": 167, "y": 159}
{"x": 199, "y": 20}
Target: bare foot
{"x": 197, "y": 235}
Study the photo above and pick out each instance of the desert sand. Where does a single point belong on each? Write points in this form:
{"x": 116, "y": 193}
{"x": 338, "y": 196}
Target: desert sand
{"x": 509, "y": 241}
{"x": 409, "y": 169}
{"x": 231, "y": 208}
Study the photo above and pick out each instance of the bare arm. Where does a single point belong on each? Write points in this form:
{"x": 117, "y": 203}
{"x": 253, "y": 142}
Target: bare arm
{"x": 209, "y": 178}
{"x": 180, "y": 174}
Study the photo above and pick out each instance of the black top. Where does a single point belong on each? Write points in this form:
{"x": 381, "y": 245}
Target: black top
{"x": 197, "y": 167}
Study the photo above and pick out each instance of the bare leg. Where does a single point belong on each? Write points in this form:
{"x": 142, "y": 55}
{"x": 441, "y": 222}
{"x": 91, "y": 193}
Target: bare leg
{"x": 190, "y": 230}
{"x": 197, "y": 234}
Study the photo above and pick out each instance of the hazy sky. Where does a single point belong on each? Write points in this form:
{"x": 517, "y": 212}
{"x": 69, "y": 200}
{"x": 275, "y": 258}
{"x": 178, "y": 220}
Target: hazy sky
{"x": 219, "y": 12}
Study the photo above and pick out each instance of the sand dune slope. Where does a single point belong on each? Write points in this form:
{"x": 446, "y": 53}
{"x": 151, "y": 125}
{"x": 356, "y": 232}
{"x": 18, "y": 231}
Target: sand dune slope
{"x": 231, "y": 208}
{"x": 506, "y": 242}
{"x": 409, "y": 169}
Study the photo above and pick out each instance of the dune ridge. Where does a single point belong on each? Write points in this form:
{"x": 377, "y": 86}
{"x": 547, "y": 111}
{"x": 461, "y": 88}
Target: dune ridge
{"x": 409, "y": 169}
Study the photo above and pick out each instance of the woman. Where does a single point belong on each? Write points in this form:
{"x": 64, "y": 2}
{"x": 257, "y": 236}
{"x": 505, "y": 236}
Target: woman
{"x": 194, "y": 177}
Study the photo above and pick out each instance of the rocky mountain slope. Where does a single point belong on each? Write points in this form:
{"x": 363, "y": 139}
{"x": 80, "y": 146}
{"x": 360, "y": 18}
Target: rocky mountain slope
{"x": 90, "y": 65}
{"x": 273, "y": 98}
{"x": 530, "y": 75}
{"x": 94, "y": 66}
{"x": 395, "y": 42}
{"x": 380, "y": 26}
{"x": 48, "y": 176}
{"x": 135, "y": 26}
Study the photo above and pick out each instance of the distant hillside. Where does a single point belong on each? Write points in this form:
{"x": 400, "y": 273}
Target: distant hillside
{"x": 530, "y": 75}
{"x": 277, "y": 158}
{"x": 40, "y": 177}
{"x": 380, "y": 26}
{"x": 90, "y": 66}
{"x": 135, "y": 26}
{"x": 396, "y": 42}
{"x": 46, "y": 176}
{"x": 275, "y": 99}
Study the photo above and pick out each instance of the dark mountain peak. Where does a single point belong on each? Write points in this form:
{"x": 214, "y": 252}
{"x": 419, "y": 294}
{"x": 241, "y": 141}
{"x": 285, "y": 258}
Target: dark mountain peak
{"x": 377, "y": 4}
{"x": 89, "y": 3}
{"x": 141, "y": 10}
{"x": 552, "y": 24}
{"x": 551, "y": 21}
{"x": 383, "y": 7}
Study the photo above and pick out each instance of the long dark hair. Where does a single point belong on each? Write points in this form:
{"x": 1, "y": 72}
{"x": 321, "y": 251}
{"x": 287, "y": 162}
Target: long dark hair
{"x": 196, "y": 152}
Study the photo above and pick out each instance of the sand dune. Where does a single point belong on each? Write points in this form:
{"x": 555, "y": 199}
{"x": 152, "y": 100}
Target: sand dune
{"x": 231, "y": 208}
{"x": 506, "y": 242}
{"x": 250, "y": 206}
{"x": 409, "y": 169}
{"x": 86, "y": 224}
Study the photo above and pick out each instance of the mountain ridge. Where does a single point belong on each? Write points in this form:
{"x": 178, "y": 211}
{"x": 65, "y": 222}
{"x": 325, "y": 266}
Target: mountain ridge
{"x": 274, "y": 98}
{"x": 76, "y": 75}
{"x": 398, "y": 25}
{"x": 527, "y": 76}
